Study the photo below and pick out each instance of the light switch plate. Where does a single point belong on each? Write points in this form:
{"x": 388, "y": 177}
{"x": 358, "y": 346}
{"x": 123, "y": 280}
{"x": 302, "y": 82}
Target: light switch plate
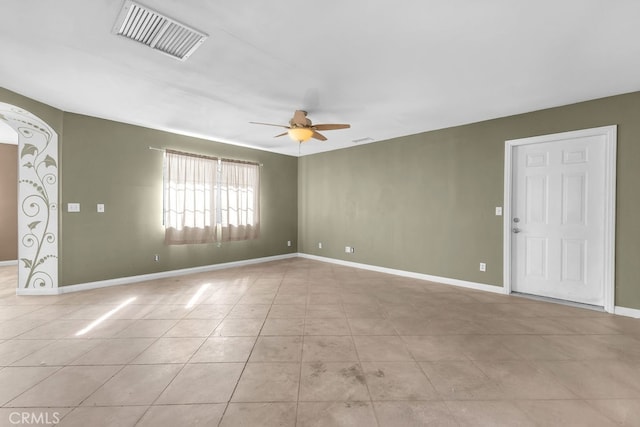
{"x": 100, "y": 207}
{"x": 498, "y": 210}
{"x": 73, "y": 207}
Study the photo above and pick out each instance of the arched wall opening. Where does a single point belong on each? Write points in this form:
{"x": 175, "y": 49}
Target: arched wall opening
{"x": 37, "y": 201}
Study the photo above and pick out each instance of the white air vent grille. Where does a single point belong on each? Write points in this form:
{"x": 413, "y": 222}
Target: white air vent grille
{"x": 139, "y": 23}
{"x": 365, "y": 139}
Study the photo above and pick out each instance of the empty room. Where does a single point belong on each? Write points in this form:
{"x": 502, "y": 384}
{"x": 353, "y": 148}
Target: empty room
{"x": 319, "y": 214}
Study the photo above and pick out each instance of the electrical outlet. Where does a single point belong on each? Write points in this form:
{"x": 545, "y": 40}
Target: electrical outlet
{"x": 73, "y": 207}
{"x": 319, "y": 245}
{"x": 483, "y": 266}
{"x": 288, "y": 242}
{"x": 347, "y": 249}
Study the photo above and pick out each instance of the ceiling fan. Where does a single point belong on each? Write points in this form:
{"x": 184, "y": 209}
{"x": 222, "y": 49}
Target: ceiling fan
{"x": 301, "y": 129}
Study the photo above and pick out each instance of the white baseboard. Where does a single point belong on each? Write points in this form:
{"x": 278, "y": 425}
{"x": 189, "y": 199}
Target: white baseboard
{"x": 411, "y": 274}
{"x": 8, "y": 263}
{"x": 629, "y": 312}
{"x": 152, "y": 276}
{"x": 35, "y": 291}
{"x": 621, "y": 311}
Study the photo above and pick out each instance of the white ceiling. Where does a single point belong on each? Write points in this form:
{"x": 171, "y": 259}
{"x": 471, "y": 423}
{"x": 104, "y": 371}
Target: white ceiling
{"x": 390, "y": 68}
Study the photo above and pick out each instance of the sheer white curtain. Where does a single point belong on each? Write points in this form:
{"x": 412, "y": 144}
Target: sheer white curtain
{"x": 189, "y": 198}
{"x": 239, "y": 200}
{"x": 210, "y": 200}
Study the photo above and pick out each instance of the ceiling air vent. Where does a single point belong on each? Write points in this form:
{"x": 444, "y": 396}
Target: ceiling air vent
{"x": 159, "y": 32}
{"x": 365, "y": 139}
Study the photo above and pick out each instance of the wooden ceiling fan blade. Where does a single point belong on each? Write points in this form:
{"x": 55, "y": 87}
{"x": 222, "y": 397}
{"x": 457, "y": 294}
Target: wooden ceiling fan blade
{"x": 316, "y": 135}
{"x": 300, "y": 127}
{"x": 269, "y": 124}
{"x": 331, "y": 126}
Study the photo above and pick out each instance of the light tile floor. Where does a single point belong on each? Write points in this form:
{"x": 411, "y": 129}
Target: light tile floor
{"x": 305, "y": 343}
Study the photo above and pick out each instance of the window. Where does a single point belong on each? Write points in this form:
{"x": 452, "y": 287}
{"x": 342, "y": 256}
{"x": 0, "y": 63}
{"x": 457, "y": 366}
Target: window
{"x": 207, "y": 199}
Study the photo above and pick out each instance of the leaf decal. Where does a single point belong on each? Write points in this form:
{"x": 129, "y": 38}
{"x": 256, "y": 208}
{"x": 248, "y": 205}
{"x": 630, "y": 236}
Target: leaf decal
{"x": 28, "y": 165}
{"x": 49, "y": 161}
{"x": 33, "y": 225}
{"x": 28, "y": 149}
{"x": 26, "y": 132}
{"x": 27, "y": 262}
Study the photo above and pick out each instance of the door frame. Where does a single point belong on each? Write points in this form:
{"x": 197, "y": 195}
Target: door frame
{"x": 610, "y": 134}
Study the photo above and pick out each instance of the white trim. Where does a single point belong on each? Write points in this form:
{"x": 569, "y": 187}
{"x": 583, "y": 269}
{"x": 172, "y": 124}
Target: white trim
{"x": 8, "y": 263}
{"x": 37, "y": 292}
{"x": 152, "y": 276}
{"x": 506, "y": 218}
{"x": 411, "y": 274}
{"x": 610, "y": 218}
{"x": 625, "y": 311}
{"x": 559, "y": 301}
{"x": 622, "y": 311}
{"x": 610, "y": 203}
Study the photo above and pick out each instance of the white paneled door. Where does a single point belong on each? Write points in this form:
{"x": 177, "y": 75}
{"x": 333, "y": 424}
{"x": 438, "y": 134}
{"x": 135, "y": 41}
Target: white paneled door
{"x": 559, "y": 218}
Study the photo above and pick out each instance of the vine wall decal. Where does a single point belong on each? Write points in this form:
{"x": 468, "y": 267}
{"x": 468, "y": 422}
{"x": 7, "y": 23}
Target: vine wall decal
{"x": 37, "y": 199}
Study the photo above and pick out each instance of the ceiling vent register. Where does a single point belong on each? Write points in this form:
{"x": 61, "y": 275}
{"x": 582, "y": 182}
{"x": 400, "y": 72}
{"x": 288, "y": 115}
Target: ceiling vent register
{"x": 159, "y": 32}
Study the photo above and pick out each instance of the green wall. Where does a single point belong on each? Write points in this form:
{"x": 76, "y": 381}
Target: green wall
{"x": 8, "y": 202}
{"x": 110, "y": 162}
{"x": 103, "y": 161}
{"x": 423, "y": 203}
{"x": 426, "y": 203}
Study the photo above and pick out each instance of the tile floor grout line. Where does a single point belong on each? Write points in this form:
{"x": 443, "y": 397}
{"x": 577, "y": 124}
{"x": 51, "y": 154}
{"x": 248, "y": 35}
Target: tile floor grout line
{"x": 183, "y": 365}
{"x": 15, "y": 397}
{"x": 618, "y": 344}
{"x": 302, "y": 339}
{"x": 244, "y": 367}
{"x": 129, "y": 363}
{"x": 29, "y": 354}
{"x": 366, "y": 382}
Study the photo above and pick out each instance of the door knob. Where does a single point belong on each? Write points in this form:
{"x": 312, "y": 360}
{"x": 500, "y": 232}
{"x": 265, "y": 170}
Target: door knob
{"x": 516, "y": 230}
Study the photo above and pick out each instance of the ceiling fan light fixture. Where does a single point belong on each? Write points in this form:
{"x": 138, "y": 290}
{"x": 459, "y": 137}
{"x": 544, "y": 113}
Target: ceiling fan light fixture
{"x": 300, "y": 134}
